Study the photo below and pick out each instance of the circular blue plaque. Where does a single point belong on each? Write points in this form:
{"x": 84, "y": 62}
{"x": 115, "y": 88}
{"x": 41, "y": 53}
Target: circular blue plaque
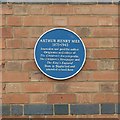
{"x": 60, "y": 53}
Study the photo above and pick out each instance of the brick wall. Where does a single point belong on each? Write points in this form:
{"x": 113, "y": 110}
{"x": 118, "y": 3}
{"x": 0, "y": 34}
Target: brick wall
{"x": 26, "y": 92}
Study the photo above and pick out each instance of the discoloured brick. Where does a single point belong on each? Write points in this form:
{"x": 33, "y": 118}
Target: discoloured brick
{"x": 107, "y": 108}
{"x": 38, "y": 109}
{"x": 84, "y": 109}
{"x": 5, "y": 110}
{"x": 61, "y": 109}
{"x": 16, "y": 109}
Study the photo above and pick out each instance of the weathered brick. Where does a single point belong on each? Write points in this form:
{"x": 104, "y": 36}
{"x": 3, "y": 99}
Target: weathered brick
{"x": 13, "y": 76}
{"x": 108, "y": 108}
{"x": 104, "y": 9}
{"x": 104, "y": 32}
{"x": 105, "y": 53}
{"x": 60, "y": 21}
{"x": 7, "y": 9}
{"x": 61, "y": 109}
{"x": 20, "y": 9}
{"x": 90, "y": 65}
{"x": 106, "y": 42}
{"x": 13, "y": 66}
{"x": 105, "y": 75}
{"x": 28, "y": 43}
{"x": 82, "y": 9}
{"x": 2, "y": 43}
{"x": 15, "y": 98}
{"x": 38, "y": 87}
{"x": 107, "y": 64}
{"x": 104, "y": 98}
{"x": 84, "y": 98}
{"x": 13, "y": 43}
{"x": 7, "y": 54}
{"x": 35, "y": 32}
{"x": 82, "y": 21}
{"x": 59, "y": 9}
{"x": 38, "y": 98}
{"x": 21, "y": 32}
{"x": 77, "y": 87}
{"x": 36, "y": 76}
{"x": 23, "y": 54}
{"x": 16, "y": 109}
{"x": 105, "y": 21}
{"x": 84, "y": 109}
{"x": 7, "y": 32}
{"x": 14, "y": 21}
{"x": 38, "y": 109}
{"x": 91, "y": 42}
{"x": 107, "y": 87}
{"x": 83, "y": 31}
{"x": 13, "y": 88}
{"x": 37, "y": 9}
{"x": 29, "y": 66}
{"x": 37, "y": 21}
{"x": 61, "y": 98}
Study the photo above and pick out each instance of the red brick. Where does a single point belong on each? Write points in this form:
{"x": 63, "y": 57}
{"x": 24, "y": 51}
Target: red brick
{"x": 106, "y": 42}
{"x": 82, "y": 21}
{"x": 105, "y": 21}
{"x": 106, "y": 64}
{"x": 2, "y": 43}
{"x": 105, "y": 98}
{"x": 2, "y": 20}
{"x": 91, "y": 42}
{"x": 15, "y": 98}
{"x": 90, "y": 65}
{"x": 105, "y": 75}
{"x": 33, "y": 9}
{"x": 13, "y": 76}
{"x": 13, "y": 88}
{"x": 14, "y": 21}
{"x": 21, "y": 32}
{"x": 115, "y": 20}
{"x": 84, "y": 98}
{"x": 7, "y": 54}
{"x": 104, "y": 9}
{"x": 38, "y": 87}
{"x": 60, "y": 21}
{"x": 38, "y": 98}
{"x": 104, "y": 32}
{"x": 7, "y": 9}
{"x": 36, "y": 32}
{"x": 20, "y": 9}
{"x": 37, "y": 21}
{"x": 37, "y": 76}
{"x": 108, "y": 53}
{"x": 107, "y": 87}
{"x": 7, "y": 32}
{"x": 23, "y": 54}
{"x": 61, "y": 98}
{"x": 82, "y": 9}
{"x": 13, "y": 43}
{"x": 77, "y": 87}
{"x": 13, "y": 65}
{"x": 28, "y": 43}
{"x": 59, "y": 9}
{"x": 29, "y": 66}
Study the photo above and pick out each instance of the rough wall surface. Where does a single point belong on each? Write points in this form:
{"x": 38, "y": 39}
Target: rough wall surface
{"x": 26, "y": 92}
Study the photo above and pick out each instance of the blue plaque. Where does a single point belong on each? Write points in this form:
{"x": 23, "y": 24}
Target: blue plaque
{"x": 60, "y": 53}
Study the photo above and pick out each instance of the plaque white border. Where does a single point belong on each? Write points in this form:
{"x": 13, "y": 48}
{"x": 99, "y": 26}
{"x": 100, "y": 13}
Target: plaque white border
{"x": 55, "y": 77}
